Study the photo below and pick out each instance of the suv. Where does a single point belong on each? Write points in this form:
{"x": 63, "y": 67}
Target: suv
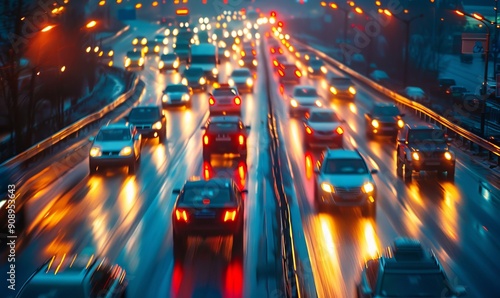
{"x": 406, "y": 270}
{"x": 75, "y": 276}
{"x": 424, "y": 147}
{"x": 150, "y": 122}
{"x": 343, "y": 180}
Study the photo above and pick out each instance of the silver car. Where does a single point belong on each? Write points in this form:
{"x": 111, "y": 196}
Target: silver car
{"x": 323, "y": 128}
{"x": 117, "y": 144}
{"x": 242, "y": 79}
{"x": 177, "y": 95}
{"x": 343, "y": 180}
{"x": 302, "y": 99}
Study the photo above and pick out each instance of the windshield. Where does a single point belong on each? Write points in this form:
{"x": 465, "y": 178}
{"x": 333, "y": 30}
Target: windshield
{"x": 143, "y": 114}
{"x": 345, "y": 166}
{"x": 224, "y": 92}
{"x": 116, "y": 134}
{"x": 340, "y": 81}
{"x": 168, "y": 57}
{"x": 176, "y": 88}
{"x": 324, "y": 117}
{"x": 316, "y": 63}
{"x": 193, "y": 72}
{"x": 413, "y": 284}
{"x": 305, "y": 92}
{"x": 223, "y": 127}
{"x": 386, "y": 111}
{"x": 205, "y": 59}
{"x": 434, "y": 135}
{"x": 241, "y": 73}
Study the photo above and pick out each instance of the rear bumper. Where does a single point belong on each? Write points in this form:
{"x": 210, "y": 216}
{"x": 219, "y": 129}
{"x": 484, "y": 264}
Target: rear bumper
{"x": 350, "y": 201}
{"x": 432, "y": 165}
{"x": 330, "y": 141}
{"x": 224, "y": 147}
{"x": 208, "y": 228}
{"x": 218, "y": 110}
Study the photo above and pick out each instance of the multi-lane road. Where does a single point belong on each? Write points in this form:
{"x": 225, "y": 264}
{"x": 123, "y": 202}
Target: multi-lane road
{"x": 128, "y": 218}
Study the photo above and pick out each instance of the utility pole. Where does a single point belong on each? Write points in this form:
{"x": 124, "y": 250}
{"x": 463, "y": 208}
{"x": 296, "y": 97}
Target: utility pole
{"x": 495, "y": 57}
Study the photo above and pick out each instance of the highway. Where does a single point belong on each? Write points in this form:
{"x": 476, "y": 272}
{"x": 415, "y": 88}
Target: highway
{"x": 128, "y": 218}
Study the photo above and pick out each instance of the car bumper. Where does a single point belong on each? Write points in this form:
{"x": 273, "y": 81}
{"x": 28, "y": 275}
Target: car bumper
{"x": 149, "y": 132}
{"x": 177, "y": 103}
{"x": 343, "y": 95}
{"x": 390, "y": 129}
{"x": 432, "y": 165}
{"x": 225, "y": 109}
{"x": 330, "y": 141}
{"x": 207, "y": 228}
{"x": 225, "y": 147}
{"x": 346, "y": 200}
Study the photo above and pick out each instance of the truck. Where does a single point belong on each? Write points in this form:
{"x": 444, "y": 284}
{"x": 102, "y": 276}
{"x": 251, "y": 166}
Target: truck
{"x": 205, "y": 56}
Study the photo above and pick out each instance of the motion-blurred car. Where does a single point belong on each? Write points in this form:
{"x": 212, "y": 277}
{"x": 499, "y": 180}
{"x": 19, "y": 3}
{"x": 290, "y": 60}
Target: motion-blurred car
{"x": 343, "y": 180}
{"x": 442, "y": 85}
{"x": 316, "y": 68}
{"x": 150, "y": 122}
{"x": 323, "y": 128}
{"x": 139, "y": 40}
{"x": 242, "y": 79}
{"x": 133, "y": 60}
{"x": 302, "y": 99}
{"x": 406, "y": 270}
{"x": 207, "y": 208}
{"x": 384, "y": 118}
{"x": 380, "y": 77}
{"x": 278, "y": 62}
{"x": 117, "y": 144}
{"x": 225, "y": 100}
{"x": 76, "y": 276}
{"x": 225, "y": 135}
{"x": 168, "y": 62}
{"x": 342, "y": 88}
{"x": 417, "y": 94}
{"x": 161, "y": 39}
{"x": 248, "y": 62}
{"x": 456, "y": 93}
{"x": 106, "y": 56}
{"x": 194, "y": 77}
{"x": 289, "y": 74}
{"x": 177, "y": 95}
{"x": 276, "y": 50}
{"x": 152, "y": 48}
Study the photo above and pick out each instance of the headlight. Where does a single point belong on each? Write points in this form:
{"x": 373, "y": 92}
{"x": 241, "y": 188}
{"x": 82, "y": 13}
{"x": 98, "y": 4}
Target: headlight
{"x": 176, "y": 64}
{"x": 230, "y": 82}
{"x": 141, "y": 61}
{"x": 241, "y": 63}
{"x": 327, "y": 187}
{"x": 110, "y": 63}
{"x": 167, "y": 32}
{"x": 161, "y": 64}
{"x": 144, "y": 41}
{"x": 333, "y": 90}
{"x": 368, "y": 187}
{"x": 318, "y": 103}
{"x": 215, "y": 71}
{"x": 174, "y": 46}
{"x": 254, "y": 62}
{"x": 127, "y": 150}
{"x": 415, "y": 156}
{"x": 294, "y": 103}
{"x": 184, "y": 81}
{"x": 249, "y": 82}
{"x": 175, "y": 32}
{"x": 127, "y": 62}
{"x": 375, "y": 123}
{"x": 111, "y": 53}
{"x": 157, "y": 49}
{"x": 203, "y": 81}
{"x": 310, "y": 69}
{"x": 165, "y": 41}
{"x": 323, "y": 69}
{"x": 185, "y": 97}
{"x": 448, "y": 156}
{"x": 401, "y": 123}
{"x": 157, "y": 125}
{"x": 135, "y": 41}
{"x": 227, "y": 54}
{"x": 165, "y": 98}
{"x": 352, "y": 90}
{"x": 95, "y": 151}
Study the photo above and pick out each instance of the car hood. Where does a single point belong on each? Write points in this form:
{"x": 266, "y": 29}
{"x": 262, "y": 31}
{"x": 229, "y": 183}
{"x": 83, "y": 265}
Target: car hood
{"x": 346, "y": 180}
{"x": 306, "y": 100}
{"x": 426, "y": 146}
{"x": 342, "y": 86}
{"x": 143, "y": 121}
{"x": 323, "y": 126}
{"x": 112, "y": 145}
{"x": 240, "y": 79}
{"x": 387, "y": 119}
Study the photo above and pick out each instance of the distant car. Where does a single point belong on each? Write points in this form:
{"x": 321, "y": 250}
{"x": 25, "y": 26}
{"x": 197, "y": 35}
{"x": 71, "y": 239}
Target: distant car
{"x": 117, "y": 144}
{"x": 150, "y": 122}
{"x": 223, "y": 135}
{"x": 278, "y": 61}
{"x": 343, "y": 180}
{"x": 76, "y": 276}
{"x": 442, "y": 85}
{"x": 302, "y": 99}
{"x": 456, "y": 92}
{"x": 342, "y": 87}
{"x": 106, "y": 56}
{"x": 139, "y": 40}
{"x": 177, "y": 95}
{"x": 242, "y": 79}
{"x": 225, "y": 100}
{"x": 207, "y": 208}
{"x": 380, "y": 77}
{"x": 406, "y": 270}
{"x": 224, "y": 53}
{"x": 161, "y": 39}
{"x": 417, "y": 94}
{"x": 276, "y": 50}
{"x": 152, "y": 48}
{"x": 384, "y": 118}
{"x": 323, "y": 128}
{"x": 316, "y": 68}
{"x": 168, "y": 62}
{"x": 134, "y": 59}
{"x": 194, "y": 77}
{"x": 289, "y": 73}
{"x": 248, "y": 62}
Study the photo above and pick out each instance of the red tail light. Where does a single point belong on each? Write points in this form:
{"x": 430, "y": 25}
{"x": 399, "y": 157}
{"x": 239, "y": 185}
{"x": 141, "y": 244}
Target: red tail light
{"x": 237, "y": 100}
{"x": 275, "y": 62}
{"x": 309, "y": 130}
{"x": 230, "y": 215}
{"x": 280, "y": 50}
{"x": 339, "y": 130}
{"x": 254, "y": 53}
{"x": 181, "y": 215}
{"x": 205, "y": 140}
{"x": 273, "y": 51}
{"x": 241, "y": 139}
{"x": 281, "y": 72}
{"x": 298, "y": 73}
{"x": 207, "y": 170}
{"x": 211, "y": 101}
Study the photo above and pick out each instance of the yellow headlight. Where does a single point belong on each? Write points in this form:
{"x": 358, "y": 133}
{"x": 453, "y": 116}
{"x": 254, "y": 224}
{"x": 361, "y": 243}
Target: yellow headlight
{"x": 310, "y": 69}
{"x": 161, "y": 64}
{"x": 401, "y": 123}
{"x": 157, "y": 125}
{"x": 186, "y": 97}
{"x": 249, "y": 82}
{"x": 202, "y": 81}
{"x": 184, "y": 81}
{"x": 135, "y": 41}
{"x": 448, "y": 156}
{"x": 111, "y": 53}
{"x": 415, "y": 156}
{"x": 241, "y": 63}
{"x": 254, "y": 62}
{"x": 375, "y": 123}
{"x": 126, "y": 151}
{"x": 323, "y": 69}
{"x": 215, "y": 71}
{"x": 127, "y": 62}
{"x": 352, "y": 90}
{"x": 95, "y": 151}
{"x": 294, "y": 103}
{"x": 141, "y": 61}
{"x": 327, "y": 187}
{"x": 368, "y": 187}
{"x": 319, "y": 103}
{"x": 333, "y": 90}
{"x": 176, "y": 64}
{"x": 230, "y": 82}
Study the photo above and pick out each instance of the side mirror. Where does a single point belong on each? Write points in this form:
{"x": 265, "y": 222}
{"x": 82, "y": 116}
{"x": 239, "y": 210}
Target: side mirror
{"x": 247, "y": 126}
{"x": 176, "y": 191}
{"x": 402, "y": 140}
{"x": 91, "y": 139}
{"x": 460, "y": 291}
{"x": 374, "y": 171}
{"x": 245, "y": 191}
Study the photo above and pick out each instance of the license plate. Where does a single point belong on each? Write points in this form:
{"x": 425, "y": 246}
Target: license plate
{"x": 223, "y": 139}
{"x": 433, "y": 163}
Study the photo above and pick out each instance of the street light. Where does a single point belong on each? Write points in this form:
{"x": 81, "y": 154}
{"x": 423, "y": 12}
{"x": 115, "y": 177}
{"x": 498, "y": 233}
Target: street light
{"x": 91, "y": 24}
{"x": 334, "y": 5}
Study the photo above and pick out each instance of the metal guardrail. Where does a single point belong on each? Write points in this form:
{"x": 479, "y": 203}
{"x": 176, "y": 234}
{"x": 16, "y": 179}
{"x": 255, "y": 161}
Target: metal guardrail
{"x": 70, "y": 130}
{"x": 423, "y": 111}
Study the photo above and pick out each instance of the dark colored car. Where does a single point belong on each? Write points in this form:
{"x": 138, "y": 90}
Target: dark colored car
{"x": 456, "y": 93}
{"x": 406, "y": 270}
{"x": 195, "y": 78}
{"x": 289, "y": 73}
{"x": 149, "y": 121}
{"x": 207, "y": 208}
{"x": 316, "y": 68}
{"x": 442, "y": 85}
{"x": 168, "y": 62}
{"x": 342, "y": 87}
{"x": 225, "y": 135}
{"x": 424, "y": 147}
{"x": 76, "y": 276}
{"x": 383, "y": 119}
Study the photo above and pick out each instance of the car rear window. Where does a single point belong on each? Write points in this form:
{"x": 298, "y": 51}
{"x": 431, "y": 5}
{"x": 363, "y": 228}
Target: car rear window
{"x": 216, "y": 193}
{"x": 224, "y": 92}
{"x": 241, "y": 73}
{"x": 223, "y": 127}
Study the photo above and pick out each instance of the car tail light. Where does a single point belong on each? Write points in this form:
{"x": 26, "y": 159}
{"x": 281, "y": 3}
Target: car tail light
{"x": 241, "y": 139}
{"x": 211, "y": 101}
{"x": 280, "y": 50}
{"x": 281, "y": 72}
{"x": 298, "y": 73}
{"x": 339, "y": 130}
{"x": 237, "y": 100}
{"x": 205, "y": 140}
{"x": 229, "y": 215}
{"x": 273, "y": 51}
{"x": 275, "y": 62}
{"x": 207, "y": 170}
{"x": 254, "y": 53}
{"x": 309, "y": 130}
{"x": 181, "y": 215}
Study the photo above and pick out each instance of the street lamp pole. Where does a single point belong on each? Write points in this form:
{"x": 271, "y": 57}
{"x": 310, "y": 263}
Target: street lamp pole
{"x": 407, "y": 45}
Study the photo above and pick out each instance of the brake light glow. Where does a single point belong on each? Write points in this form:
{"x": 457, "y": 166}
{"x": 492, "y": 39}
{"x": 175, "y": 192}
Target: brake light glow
{"x": 273, "y": 51}
{"x": 241, "y": 139}
{"x": 275, "y": 62}
{"x": 182, "y": 11}
{"x": 181, "y": 215}
{"x": 237, "y": 100}
{"x": 339, "y": 130}
{"x": 230, "y": 215}
{"x": 211, "y": 101}
{"x": 206, "y": 170}
{"x": 280, "y": 50}
{"x": 205, "y": 140}
{"x": 298, "y": 73}
{"x": 309, "y": 130}
{"x": 281, "y": 72}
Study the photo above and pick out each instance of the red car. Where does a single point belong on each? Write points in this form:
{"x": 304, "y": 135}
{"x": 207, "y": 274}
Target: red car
{"x": 225, "y": 135}
{"x": 225, "y": 100}
{"x": 289, "y": 73}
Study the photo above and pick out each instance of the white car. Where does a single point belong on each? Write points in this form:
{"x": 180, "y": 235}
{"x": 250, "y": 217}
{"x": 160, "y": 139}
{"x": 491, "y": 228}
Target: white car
{"x": 417, "y": 94}
{"x": 177, "y": 95}
{"x": 242, "y": 79}
{"x": 302, "y": 99}
{"x": 323, "y": 128}
{"x": 117, "y": 144}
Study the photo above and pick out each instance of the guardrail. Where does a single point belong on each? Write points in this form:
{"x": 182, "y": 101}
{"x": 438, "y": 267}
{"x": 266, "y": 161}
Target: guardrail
{"x": 422, "y": 111}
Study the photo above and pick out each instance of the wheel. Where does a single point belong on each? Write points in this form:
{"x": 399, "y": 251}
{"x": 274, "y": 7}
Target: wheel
{"x": 180, "y": 247}
{"x": 399, "y": 167}
{"x": 132, "y": 167}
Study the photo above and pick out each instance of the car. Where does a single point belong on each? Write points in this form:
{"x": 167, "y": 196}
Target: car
{"x": 316, "y": 68}
{"x": 225, "y": 135}
{"x": 183, "y": 51}
{"x": 276, "y": 50}
{"x": 177, "y": 95}
{"x": 213, "y": 207}
{"x": 152, "y": 48}
{"x": 380, "y": 76}
{"x": 106, "y": 56}
{"x": 242, "y": 79}
{"x": 278, "y": 62}
{"x": 161, "y": 39}
{"x": 424, "y": 147}
{"x": 150, "y": 122}
{"x": 289, "y": 73}
{"x": 248, "y": 62}
{"x": 139, "y": 41}
{"x": 302, "y": 99}
{"x": 225, "y": 100}
{"x": 456, "y": 93}
{"x": 169, "y": 62}
{"x": 79, "y": 275}
{"x": 134, "y": 59}
{"x": 342, "y": 179}
{"x": 417, "y": 94}
{"x": 406, "y": 270}
{"x": 441, "y": 86}
{"x": 342, "y": 88}
{"x": 194, "y": 77}
{"x": 223, "y": 51}
{"x": 116, "y": 144}
{"x": 383, "y": 119}
{"x": 323, "y": 128}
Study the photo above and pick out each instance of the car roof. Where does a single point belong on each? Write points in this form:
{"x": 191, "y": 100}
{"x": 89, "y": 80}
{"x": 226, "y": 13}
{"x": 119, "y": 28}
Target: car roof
{"x": 407, "y": 254}
{"x": 414, "y": 89}
{"x": 224, "y": 119}
{"x": 342, "y": 153}
{"x": 422, "y": 126}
